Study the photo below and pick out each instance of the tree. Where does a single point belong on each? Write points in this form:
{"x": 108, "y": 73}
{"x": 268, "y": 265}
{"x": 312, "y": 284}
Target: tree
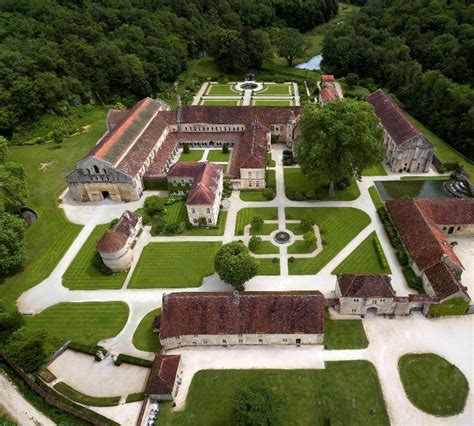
{"x": 12, "y": 246}
{"x": 256, "y": 223}
{"x": 254, "y": 243}
{"x": 339, "y": 140}
{"x": 234, "y": 264}
{"x": 290, "y": 44}
{"x": 26, "y": 348}
{"x": 256, "y": 406}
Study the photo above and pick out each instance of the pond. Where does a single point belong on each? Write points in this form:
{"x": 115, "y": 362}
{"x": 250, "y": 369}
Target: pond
{"x": 390, "y": 190}
{"x": 314, "y": 64}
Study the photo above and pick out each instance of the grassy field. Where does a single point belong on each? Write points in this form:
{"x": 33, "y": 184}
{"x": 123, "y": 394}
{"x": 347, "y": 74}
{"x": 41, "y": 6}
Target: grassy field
{"x": 244, "y": 217}
{"x": 218, "y": 102}
{"x": 266, "y": 247}
{"x": 338, "y": 226}
{"x": 432, "y": 384}
{"x": 344, "y": 334}
{"x": 218, "y": 155}
{"x": 365, "y": 259}
{"x": 345, "y": 392}
{"x": 375, "y": 197}
{"x": 222, "y": 90}
{"x": 144, "y": 339}
{"x": 95, "y": 401}
{"x": 275, "y": 102}
{"x": 174, "y": 265}
{"x": 268, "y": 267}
{"x": 377, "y": 170}
{"x": 83, "y": 275}
{"x": 294, "y": 178}
{"x": 52, "y": 234}
{"x": 193, "y": 155}
{"x": 85, "y": 322}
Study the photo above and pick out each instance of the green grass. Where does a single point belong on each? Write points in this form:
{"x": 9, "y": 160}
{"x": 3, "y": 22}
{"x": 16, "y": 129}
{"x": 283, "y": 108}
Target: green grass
{"x": 174, "y": 265}
{"x": 144, "y": 339}
{"x": 85, "y": 322}
{"x": 218, "y": 155}
{"x": 345, "y": 392}
{"x": 252, "y": 195}
{"x": 276, "y": 102}
{"x": 222, "y": 89}
{"x": 217, "y": 102}
{"x": 377, "y": 170}
{"x": 338, "y": 226}
{"x": 193, "y": 155}
{"x": 96, "y": 401}
{"x": 374, "y": 195}
{"x": 344, "y": 334}
{"x": 294, "y": 178}
{"x": 52, "y": 234}
{"x": 301, "y": 247}
{"x": 266, "y": 247}
{"x": 268, "y": 267}
{"x": 244, "y": 217}
{"x": 266, "y": 229}
{"x": 83, "y": 275}
{"x": 365, "y": 259}
{"x": 281, "y": 89}
{"x": 433, "y": 384}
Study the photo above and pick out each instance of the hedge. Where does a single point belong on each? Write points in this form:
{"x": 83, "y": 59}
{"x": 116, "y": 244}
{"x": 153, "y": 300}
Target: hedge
{"x": 133, "y": 360}
{"x": 456, "y": 306}
{"x": 134, "y": 397}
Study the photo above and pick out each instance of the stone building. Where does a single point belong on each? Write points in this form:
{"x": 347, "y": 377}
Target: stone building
{"x": 141, "y": 145}
{"x": 203, "y": 182}
{"x": 329, "y": 89}
{"x": 406, "y": 148}
{"x": 164, "y": 378}
{"x": 115, "y": 246}
{"x": 249, "y": 318}
{"x": 423, "y": 225}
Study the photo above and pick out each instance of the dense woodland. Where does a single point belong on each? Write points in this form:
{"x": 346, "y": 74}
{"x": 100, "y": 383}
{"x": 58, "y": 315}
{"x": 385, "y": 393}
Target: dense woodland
{"x": 57, "y": 53}
{"x": 423, "y": 51}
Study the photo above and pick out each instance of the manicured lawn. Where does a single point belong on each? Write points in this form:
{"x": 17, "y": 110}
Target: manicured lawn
{"x": 244, "y": 217}
{"x": 301, "y": 247}
{"x": 375, "y": 197}
{"x": 222, "y": 89}
{"x": 96, "y": 401}
{"x": 377, "y": 170}
{"x": 338, "y": 227}
{"x": 52, "y": 234}
{"x": 276, "y": 102}
{"x": 216, "y": 102}
{"x": 275, "y": 89}
{"x": 365, "y": 259}
{"x": 266, "y": 229}
{"x": 433, "y": 384}
{"x": 85, "y": 322}
{"x": 268, "y": 267}
{"x": 295, "y": 179}
{"x": 345, "y": 392}
{"x": 252, "y": 195}
{"x": 83, "y": 275}
{"x": 266, "y": 247}
{"x": 144, "y": 339}
{"x": 218, "y": 156}
{"x": 344, "y": 334}
{"x": 194, "y": 155}
{"x": 174, "y": 265}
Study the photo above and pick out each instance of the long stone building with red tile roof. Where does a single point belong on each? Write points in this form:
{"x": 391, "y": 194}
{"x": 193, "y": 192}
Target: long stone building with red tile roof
{"x": 406, "y": 148}
{"x": 141, "y": 144}
{"x": 247, "y": 318}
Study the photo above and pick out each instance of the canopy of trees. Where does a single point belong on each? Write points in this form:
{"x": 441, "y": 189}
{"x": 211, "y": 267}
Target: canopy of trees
{"x": 56, "y": 53}
{"x": 423, "y": 51}
{"x": 338, "y": 141}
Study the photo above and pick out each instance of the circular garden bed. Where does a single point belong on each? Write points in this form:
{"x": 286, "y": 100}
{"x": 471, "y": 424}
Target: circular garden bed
{"x": 432, "y": 384}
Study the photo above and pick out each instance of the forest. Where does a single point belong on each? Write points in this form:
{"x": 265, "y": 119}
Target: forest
{"x": 59, "y": 53}
{"x": 422, "y": 51}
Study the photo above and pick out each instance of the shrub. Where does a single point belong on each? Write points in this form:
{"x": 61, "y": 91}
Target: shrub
{"x": 99, "y": 264}
{"x": 254, "y": 243}
{"x": 185, "y": 148}
{"x": 256, "y": 223}
{"x": 269, "y": 193}
{"x": 225, "y": 148}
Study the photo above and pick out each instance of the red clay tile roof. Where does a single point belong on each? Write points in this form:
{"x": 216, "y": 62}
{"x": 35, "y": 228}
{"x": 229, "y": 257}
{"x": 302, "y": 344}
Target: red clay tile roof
{"x": 424, "y": 241}
{"x": 294, "y": 312}
{"x": 393, "y": 119}
{"x": 365, "y": 286}
{"x": 162, "y": 375}
{"x": 443, "y": 281}
{"x": 114, "y": 240}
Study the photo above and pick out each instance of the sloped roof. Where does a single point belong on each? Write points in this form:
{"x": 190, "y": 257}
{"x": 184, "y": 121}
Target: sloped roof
{"x": 365, "y": 286}
{"x": 393, "y": 119}
{"x": 297, "y": 312}
{"x": 162, "y": 375}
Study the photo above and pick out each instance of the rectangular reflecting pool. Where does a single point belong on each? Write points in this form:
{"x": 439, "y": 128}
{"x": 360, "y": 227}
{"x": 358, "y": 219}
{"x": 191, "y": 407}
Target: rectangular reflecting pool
{"x": 396, "y": 189}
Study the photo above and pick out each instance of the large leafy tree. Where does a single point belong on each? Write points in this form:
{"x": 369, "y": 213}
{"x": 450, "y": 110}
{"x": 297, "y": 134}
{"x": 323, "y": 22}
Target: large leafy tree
{"x": 338, "y": 141}
{"x": 234, "y": 264}
{"x": 290, "y": 44}
{"x": 12, "y": 246}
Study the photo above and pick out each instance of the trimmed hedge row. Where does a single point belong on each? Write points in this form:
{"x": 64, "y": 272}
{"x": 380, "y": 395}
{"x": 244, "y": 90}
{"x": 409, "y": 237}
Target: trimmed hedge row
{"x": 133, "y": 360}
